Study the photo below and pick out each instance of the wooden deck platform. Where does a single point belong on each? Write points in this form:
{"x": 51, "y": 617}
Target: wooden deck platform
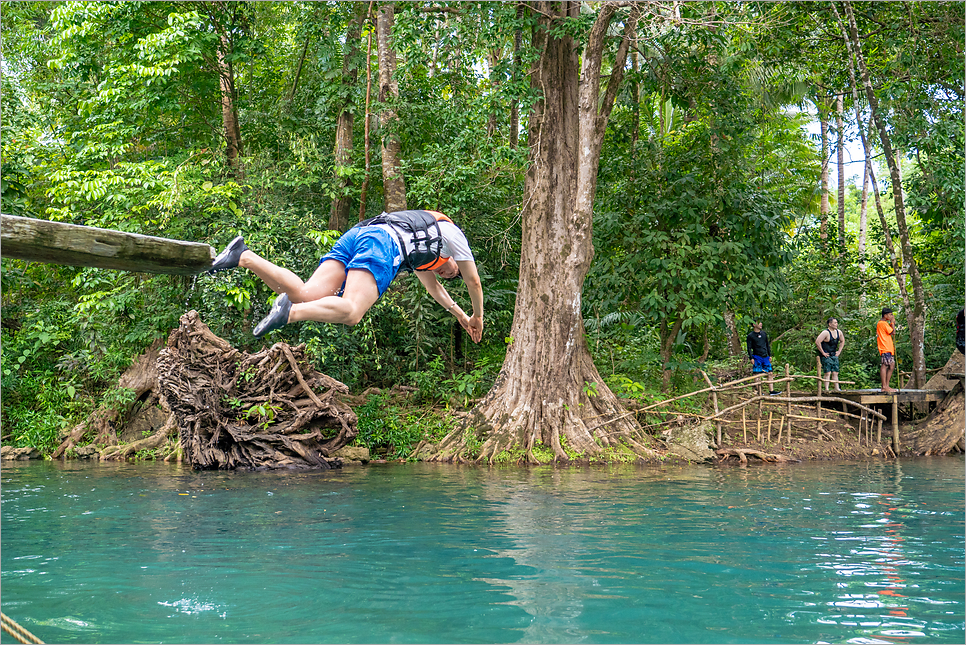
{"x": 870, "y": 397}
{"x": 36, "y": 240}
{"x": 888, "y": 404}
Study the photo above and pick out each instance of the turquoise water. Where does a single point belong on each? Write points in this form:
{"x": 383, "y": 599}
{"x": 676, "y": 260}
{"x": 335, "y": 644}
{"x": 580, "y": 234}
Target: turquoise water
{"x": 858, "y": 552}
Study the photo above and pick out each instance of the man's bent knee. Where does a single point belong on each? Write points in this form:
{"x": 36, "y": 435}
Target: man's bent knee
{"x": 354, "y": 318}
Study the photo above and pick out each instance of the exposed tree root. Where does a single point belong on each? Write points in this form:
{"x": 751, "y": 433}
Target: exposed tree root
{"x": 257, "y": 411}
{"x": 943, "y": 430}
{"x": 141, "y": 378}
{"x": 743, "y": 453}
{"x": 524, "y": 420}
{"x": 156, "y": 440}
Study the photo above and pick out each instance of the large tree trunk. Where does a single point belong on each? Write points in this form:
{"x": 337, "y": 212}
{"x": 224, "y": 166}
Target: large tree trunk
{"x": 549, "y": 391}
{"x": 493, "y": 60}
{"x": 339, "y": 215}
{"x": 515, "y": 107}
{"x": 824, "y": 208}
{"x": 394, "y": 186}
{"x": 916, "y": 316}
{"x": 668, "y": 336}
{"x": 863, "y": 219}
{"x": 734, "y": 338}
{"x": 840, "y": 162}
{"x": 229, "y": 111}
{"x": 869, "y": 173}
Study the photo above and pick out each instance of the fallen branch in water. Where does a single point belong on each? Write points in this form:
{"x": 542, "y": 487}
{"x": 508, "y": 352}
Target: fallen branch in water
{"x": 743, "y": 453}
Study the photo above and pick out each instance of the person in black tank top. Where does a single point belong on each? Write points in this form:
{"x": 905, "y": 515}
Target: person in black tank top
{"x": 830, "y": 344}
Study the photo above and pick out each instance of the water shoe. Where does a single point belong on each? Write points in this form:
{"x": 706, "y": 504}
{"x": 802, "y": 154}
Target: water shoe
{"x": 228, "y": 259}
{"x": 276, "y": 318}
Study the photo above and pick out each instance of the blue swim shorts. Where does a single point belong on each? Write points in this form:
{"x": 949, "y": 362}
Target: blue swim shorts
{"x": 762, "y": 364}
{"x": 370, "y": 248}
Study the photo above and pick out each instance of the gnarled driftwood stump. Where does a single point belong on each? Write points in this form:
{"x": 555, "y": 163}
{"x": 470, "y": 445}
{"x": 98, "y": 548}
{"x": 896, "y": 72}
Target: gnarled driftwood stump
{"x": 245, "y": 411}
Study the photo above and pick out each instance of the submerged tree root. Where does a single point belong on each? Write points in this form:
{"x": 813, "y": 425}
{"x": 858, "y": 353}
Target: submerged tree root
{"x": 743, "y": 453}
{"x": 245, "y": 411}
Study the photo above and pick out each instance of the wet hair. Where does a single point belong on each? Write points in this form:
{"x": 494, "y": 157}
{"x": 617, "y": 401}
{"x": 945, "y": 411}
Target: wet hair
{"x": 886, "y": 310}
{"x": 828, "y": 321}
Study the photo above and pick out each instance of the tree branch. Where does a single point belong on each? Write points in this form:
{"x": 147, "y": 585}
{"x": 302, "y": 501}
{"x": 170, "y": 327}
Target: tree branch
{"x": 450, "y": 10}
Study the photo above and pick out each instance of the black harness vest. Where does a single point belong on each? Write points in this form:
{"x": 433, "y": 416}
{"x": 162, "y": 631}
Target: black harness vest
{"x": 419, "y": 227}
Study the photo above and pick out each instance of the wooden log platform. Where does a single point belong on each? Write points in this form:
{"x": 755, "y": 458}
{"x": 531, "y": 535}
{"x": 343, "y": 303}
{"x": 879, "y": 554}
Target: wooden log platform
{"x": 874, "y": 397}
{"x": 868, "y": 397}
{"x": 37, "y": 240}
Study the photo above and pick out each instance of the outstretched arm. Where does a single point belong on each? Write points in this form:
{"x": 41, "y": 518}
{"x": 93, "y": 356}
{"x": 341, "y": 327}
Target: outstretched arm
{"x": 475, "y": 288}
{"x": 473, "y": 325}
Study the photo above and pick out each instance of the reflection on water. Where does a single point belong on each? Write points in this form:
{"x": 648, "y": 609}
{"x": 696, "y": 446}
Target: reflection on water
{"x": 859, "y": 553}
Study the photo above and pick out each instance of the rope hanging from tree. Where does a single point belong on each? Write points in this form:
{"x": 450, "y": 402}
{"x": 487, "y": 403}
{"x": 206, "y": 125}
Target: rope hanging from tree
{"x": 11, "y": 627}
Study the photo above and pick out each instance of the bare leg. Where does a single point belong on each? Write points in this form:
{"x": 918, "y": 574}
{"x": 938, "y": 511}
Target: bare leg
{"x": 326, "y": 281}
{"x": 834, "y": 378}
{"x": 360, "y": 294}
{"x": 885, "y": 375}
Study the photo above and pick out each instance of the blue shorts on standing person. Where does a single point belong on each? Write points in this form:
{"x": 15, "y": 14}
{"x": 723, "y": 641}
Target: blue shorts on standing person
{"x": 762, "y": 364}
{"x": 370, "y": 248}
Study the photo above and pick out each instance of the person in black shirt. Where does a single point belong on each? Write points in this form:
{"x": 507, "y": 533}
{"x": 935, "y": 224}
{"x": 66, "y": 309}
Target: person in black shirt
{"x": 830, "y": 344}
{"x": 961, "y": 331}
{"x": 759, "y": 353}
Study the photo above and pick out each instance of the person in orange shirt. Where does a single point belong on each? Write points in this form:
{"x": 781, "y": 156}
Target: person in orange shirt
{"x": 887, "y": 348}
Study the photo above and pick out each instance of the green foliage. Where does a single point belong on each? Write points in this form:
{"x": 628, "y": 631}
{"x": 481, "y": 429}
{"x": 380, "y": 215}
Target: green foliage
{"x": 543, "y": 454}
{"x": 618, "y": 454}
{"x": 118, "y": 398}
{"x": 145, "y": 455}
{"x": 472, "y": 443}
{"x": 393, "y": 431}
{"x": 625, "y": 387}
{"x": 472, "y": 384}
{"x": 427, "y": 382}
{"x": 515, "y": 455}
{"x": 264, "y": 414}
{"x": 707, "y": 197}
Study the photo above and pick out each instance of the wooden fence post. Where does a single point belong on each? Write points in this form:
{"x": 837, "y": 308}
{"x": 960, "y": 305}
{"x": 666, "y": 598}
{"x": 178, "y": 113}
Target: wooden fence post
{"x": 895, "y": 424}
{"x": 714, "y": 400}
{"x": 818, "y": 404}
{"x": 788, "y": 404}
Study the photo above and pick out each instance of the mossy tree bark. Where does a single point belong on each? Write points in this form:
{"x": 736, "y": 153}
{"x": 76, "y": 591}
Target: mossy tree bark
{"x": 549, "y": 391}
{"x": 915, "y": 316}
{"x": 394, "y": 185}
{"x": 339, "y": 214}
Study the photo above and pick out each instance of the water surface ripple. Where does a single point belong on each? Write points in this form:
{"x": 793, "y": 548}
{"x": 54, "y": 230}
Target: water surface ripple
{"x": 838, "y": 553}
